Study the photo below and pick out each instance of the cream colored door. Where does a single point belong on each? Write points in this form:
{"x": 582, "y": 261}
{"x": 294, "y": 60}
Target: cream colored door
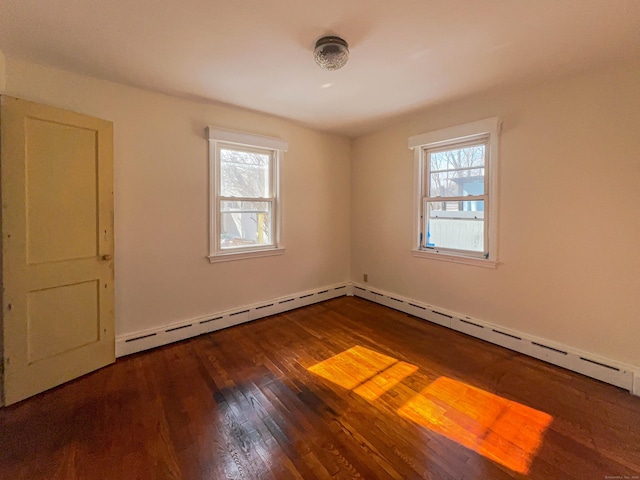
{"x": 57, "y": 246}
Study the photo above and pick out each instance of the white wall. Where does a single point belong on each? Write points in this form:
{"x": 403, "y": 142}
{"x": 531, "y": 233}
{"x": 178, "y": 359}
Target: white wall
{"x": 569, "y": 223}
{"x": 161, "y": 182}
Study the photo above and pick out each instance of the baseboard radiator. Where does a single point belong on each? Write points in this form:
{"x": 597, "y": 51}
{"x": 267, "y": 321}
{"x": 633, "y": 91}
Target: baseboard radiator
{"x": 606, "y": 370}
{"x": 144, "y": 340}
{"x": 609, "y": 371}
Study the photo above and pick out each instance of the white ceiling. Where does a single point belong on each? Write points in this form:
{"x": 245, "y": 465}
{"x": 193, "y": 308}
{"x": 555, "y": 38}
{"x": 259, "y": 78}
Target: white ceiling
{"x": 257, "y": 54}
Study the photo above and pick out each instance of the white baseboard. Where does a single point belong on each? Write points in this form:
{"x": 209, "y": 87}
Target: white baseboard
{"x": 156, "y": 337}
{"x": 594, "y": 366}
{"x": 609, "y": 371}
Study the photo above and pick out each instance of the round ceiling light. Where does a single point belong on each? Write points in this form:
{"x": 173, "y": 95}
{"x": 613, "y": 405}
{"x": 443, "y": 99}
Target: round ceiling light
{"x": 331, "y": 53}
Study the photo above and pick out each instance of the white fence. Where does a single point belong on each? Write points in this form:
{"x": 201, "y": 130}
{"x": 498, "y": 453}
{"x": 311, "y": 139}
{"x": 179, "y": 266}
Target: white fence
{"x": 458, "y": 230}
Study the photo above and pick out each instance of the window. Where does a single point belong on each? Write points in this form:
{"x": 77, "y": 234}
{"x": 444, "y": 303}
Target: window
{"x": 456, "y": 193}
{"x": 244, "y": 194}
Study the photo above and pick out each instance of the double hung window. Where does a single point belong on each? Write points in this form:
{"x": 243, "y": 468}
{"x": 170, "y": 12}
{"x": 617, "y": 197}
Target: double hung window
{"x": 456, "y": 204}
{"x": 245, "y": 210}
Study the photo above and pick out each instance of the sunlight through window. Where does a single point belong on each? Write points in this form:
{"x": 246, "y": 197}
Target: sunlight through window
{"x": 501, "y": 430}
{"x": 506, "y": 432}
{"x": 375, "y": 387}
{"x": 367, "y": 373}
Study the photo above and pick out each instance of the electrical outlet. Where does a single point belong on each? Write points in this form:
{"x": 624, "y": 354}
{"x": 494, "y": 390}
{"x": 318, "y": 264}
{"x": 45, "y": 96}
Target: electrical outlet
{"x": 365, "y": 277}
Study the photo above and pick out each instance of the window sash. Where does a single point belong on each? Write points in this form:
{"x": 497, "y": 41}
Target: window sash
{"x": 270, "y": 210}
{"x": 270, "y": 198}
{"x": 437, "y": 248}
{"x": 250, "y": 150}
{"x": 430, "y": 198}
{"x": 483, "y": 140}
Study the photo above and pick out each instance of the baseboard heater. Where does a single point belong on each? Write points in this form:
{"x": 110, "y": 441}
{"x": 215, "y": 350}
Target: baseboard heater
{"x": 147, "y": 339}
{"x": 609, "y": 371}
{"x": 594, "y": 366}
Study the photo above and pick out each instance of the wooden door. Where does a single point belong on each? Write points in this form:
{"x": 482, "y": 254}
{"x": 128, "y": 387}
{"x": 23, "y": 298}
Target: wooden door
{"x": 57, "y": 246}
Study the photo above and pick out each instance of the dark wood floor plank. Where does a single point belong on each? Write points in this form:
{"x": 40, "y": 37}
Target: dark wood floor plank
{"x": 251, "y": 402}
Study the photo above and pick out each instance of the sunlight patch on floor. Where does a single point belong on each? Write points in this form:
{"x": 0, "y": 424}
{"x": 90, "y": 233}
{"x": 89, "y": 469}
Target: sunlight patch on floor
{"x": 501, "y": 430}
{"x": 367, "y": 373}
{"x": 504, "y": 431}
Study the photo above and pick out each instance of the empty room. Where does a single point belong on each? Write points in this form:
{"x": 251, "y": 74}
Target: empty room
{"x": 320, "y": 240}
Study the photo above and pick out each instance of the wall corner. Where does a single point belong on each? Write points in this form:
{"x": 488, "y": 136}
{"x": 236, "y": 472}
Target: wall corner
{"x": 349, "y": 286}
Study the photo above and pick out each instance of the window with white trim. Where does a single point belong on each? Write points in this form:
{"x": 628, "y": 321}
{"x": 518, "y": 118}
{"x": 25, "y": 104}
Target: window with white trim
{"x": 456, "y": 193}
{"x": 244, "y": 194}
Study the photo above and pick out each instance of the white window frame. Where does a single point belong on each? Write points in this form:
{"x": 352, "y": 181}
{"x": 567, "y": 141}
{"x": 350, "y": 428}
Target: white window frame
{"x": 482, "y": 130}
{"x": 220, "y": 137}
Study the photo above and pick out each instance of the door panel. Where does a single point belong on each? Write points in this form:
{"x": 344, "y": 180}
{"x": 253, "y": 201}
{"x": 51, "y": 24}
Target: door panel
{"x": 57, "y": 246}
{"x": 62, "y": 318}
{"x": 51, "y": 168}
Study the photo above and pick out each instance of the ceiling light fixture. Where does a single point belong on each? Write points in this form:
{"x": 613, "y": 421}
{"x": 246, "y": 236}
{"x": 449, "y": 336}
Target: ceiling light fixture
{"x": 331, "y": 53}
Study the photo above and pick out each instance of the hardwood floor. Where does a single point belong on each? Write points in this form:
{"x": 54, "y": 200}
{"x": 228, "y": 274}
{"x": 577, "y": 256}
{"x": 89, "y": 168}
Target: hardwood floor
{"x": 339, "y": 390}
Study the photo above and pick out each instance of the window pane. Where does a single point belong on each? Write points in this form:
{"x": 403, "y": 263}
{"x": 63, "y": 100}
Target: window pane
{"x": 456, "y": 225}
{"x": 244, "y": 174}
{"x": 244, "y": 224}
{"x": 457, "y": 183}
{"x": 457, "y": 172}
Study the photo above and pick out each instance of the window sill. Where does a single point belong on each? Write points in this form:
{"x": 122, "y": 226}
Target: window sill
{"x": 445, "y": 257}
{"x": 241, "y": 255}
